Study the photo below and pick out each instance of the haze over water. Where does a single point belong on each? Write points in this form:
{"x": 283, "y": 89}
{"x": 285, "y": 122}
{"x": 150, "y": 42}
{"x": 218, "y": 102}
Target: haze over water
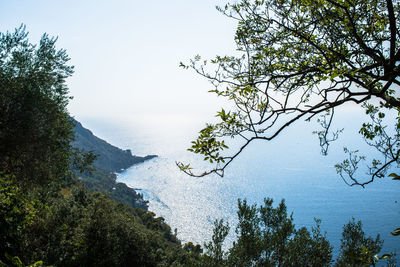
{"x": 291, "y": 168}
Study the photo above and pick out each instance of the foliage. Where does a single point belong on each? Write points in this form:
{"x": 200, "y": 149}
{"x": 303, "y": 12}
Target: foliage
{"x": 82, "y": 161}
{"x": 35, "y": 130}
{"x": 215, "y": 256}
{"x": 266, "y": 236}
{"x": 104, "y": 181}
{"x": 299, "y": 60}
{"x": 109, "y": 157}
{"x": 357, "y": 249}
{"x": 16, "y": 262}
{"x": 16, "y": 213}
{"x": 106, "y": 159}
{"x": 74, "y": 227}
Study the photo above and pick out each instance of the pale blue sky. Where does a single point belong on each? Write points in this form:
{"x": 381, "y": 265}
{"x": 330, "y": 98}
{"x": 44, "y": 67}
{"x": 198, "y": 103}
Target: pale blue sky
{"x": 126, "y": 55}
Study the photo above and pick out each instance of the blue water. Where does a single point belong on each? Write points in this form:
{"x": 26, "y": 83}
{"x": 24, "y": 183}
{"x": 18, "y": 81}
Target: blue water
{"x": 291, "y": 167}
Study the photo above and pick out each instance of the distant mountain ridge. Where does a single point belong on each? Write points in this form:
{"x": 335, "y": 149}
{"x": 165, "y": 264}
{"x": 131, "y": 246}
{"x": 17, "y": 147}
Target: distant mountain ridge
{"x": 110, "y": 160}
{"x": 109, "y": 157}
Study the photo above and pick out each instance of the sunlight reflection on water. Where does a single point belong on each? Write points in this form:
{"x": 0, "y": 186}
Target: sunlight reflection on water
{"x": 311, "y": 190}
{"x": 291, "y": 167}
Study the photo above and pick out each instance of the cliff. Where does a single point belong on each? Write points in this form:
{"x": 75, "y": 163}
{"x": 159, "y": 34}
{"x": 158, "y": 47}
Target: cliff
{"x": 110, "y": 159}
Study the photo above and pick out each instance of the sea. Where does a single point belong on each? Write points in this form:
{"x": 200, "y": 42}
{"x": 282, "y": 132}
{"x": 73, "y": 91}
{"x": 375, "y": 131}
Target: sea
{"x": 290, "y": 167}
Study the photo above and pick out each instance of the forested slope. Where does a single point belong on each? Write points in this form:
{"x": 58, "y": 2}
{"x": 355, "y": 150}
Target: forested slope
{"x": 110, "y": 159}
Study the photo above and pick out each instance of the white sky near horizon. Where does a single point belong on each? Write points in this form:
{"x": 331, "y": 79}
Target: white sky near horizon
{"x": 126, "y": 55}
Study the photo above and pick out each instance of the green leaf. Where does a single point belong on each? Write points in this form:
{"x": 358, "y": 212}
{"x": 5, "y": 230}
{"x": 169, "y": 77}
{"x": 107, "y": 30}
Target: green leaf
{"x": 385, "y": 256}
{"x": 396, "y": 232}
{"x": 395, "y": 176}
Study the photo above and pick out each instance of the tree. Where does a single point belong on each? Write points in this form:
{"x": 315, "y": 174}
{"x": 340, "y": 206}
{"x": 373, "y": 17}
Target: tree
{"x": 356, "y": 249}
{"x": 266, "y": 236}
{"x": 215, "y": 255}
{"x": 17, "y": 212}
{"x": 304, "y": 59}
{"x": 35, "y": 129}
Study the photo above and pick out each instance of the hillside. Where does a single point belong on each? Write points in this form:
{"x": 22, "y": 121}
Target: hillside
{"x": 110, "y": 157}
{"x": 110, "y": 160}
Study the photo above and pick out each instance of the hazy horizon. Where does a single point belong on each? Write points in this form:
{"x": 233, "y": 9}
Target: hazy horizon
{"x": 126, "y": 55}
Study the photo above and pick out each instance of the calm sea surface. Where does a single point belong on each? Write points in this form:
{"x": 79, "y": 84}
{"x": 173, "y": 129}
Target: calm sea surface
{"x": 291, "y": 168}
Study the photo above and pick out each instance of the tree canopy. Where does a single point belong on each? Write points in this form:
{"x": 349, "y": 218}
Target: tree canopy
{"x": 303, "y": 60}
{"x": 35, "y": 128}
{"x": 266, "y": 236}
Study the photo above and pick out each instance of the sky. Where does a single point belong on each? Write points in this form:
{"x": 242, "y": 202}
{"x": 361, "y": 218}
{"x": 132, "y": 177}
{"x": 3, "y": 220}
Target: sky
{"x": 126, "y": 56}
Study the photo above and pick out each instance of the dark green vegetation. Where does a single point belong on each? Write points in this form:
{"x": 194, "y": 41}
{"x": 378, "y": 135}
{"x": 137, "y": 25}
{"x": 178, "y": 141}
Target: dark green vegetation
{"x": 69, "y": 226}
{"x": 266, "y": 236}
{"x": 109, "y": 159}
{"x": 35, "y": 128}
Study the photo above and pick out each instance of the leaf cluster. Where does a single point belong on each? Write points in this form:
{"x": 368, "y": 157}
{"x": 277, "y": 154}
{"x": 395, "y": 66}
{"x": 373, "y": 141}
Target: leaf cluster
{"x": 301, "y": 59}
{"x": 73, "y": 227}
{"x": 267, "y": 236}
{"x": 35, "y": 129}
